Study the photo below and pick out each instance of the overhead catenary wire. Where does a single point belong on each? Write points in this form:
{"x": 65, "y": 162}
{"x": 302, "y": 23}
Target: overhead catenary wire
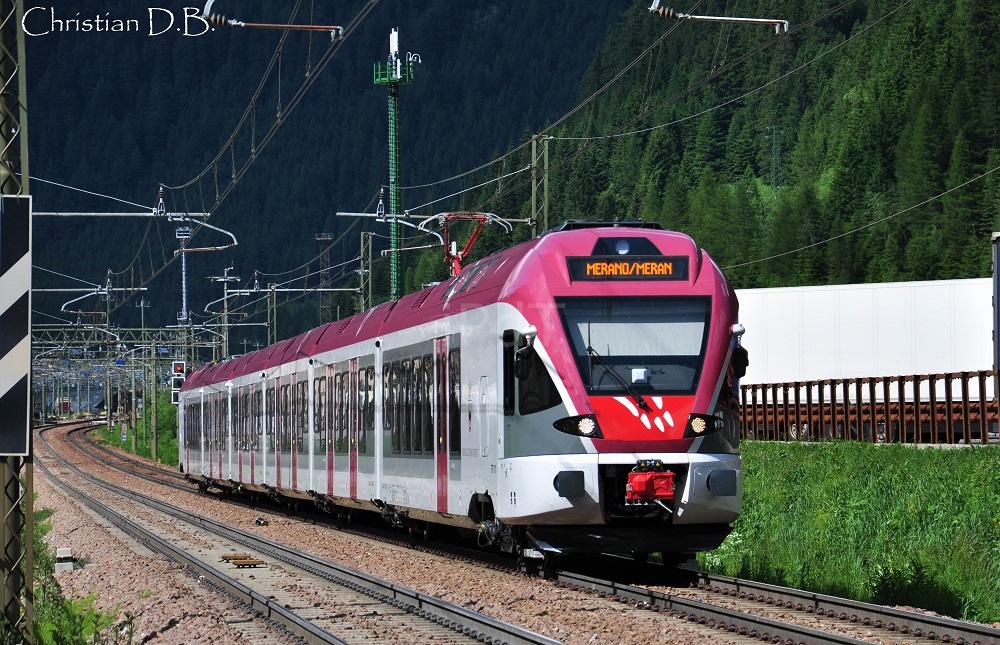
{"x": 579, "y": 106}
{"x": 471, "y": 188}
{"x": 706, "y": 79}
{"x": 744, "y": 95}
{"x": 867, "y": 225}
{"x": 42, "y": 313}
{"x": 63, "y": 275}
{"x": 89, "y": 192}
{"x": 237, "y": 174}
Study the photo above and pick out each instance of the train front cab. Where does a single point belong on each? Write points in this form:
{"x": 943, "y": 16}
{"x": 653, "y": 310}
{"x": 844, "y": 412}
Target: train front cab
{"x": 618, "y": 433}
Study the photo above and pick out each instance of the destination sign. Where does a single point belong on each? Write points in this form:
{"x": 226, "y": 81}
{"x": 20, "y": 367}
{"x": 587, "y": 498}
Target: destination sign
{"x": 633, "y": 267}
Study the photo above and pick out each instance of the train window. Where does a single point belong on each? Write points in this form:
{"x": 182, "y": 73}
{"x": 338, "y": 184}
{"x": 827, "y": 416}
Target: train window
{"x": 455, "y": 402}
{"x": 353, "y": 423}
{"x": 345, "y": 418}
{"x": 369, "y": 426}
{"x": 335, "y": 395}
{"x": 387, "y": 404}
{"x": 426, "y": 403}
{"x": 286, "y": 417}
{"x": 270, "y": 412}
{"x": 230, "y": 410}
{"x": 302, "y": 418}
{"x": 508, "y": 372}
{"x": 654, "y": 344}
{"x": 319, "y": 415}
{"x": 404, "y": 406}
{"x": 418, "y": 406}
{"x": 535, "y": 389}
{"x": 255, "y": 411}
{"x": 330, "y": 398}
{"x": 393, "y": 405}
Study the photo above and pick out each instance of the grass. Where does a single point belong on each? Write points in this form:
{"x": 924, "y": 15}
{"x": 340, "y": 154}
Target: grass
{"x": 166, "y": 433}
{"x": 885, "y": 524}
{"x": 59, "y": 619}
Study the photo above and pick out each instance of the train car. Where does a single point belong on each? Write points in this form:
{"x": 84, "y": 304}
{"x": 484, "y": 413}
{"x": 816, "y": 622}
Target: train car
{"x": 573, "y": 393}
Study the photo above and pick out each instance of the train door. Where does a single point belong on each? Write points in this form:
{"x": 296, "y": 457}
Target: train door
{"x": 201, "y": 432}
{"x": 279, "y": 429}
{"x": 231, "y": 404}
{"x": 331, "y": 398}
{"x": 441, "y": 422}
{"x": 238, "y": 431}
{"x": 354, "y": 428}
{"x": 267, "y": 441}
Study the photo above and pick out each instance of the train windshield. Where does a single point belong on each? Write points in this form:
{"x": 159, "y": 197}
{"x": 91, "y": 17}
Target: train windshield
{"x": 647, "y": 345}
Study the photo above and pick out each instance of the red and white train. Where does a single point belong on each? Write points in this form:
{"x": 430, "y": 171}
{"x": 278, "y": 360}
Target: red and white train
{"x": 571, "y": 393}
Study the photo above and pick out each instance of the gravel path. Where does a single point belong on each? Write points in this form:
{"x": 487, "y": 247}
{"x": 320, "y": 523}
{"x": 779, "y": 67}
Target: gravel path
{"x": 165, "y": 604}
{"x": 568, "y": 615}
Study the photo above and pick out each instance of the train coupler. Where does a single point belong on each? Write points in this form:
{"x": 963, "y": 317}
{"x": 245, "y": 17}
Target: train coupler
{"x": 650, "y": 483}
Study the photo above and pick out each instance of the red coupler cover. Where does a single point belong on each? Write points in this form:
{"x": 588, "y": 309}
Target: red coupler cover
{"x": 648, "y": 486}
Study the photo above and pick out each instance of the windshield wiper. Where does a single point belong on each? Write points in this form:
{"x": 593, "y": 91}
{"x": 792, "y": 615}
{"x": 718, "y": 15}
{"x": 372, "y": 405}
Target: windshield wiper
{"x": 596, "y": 358}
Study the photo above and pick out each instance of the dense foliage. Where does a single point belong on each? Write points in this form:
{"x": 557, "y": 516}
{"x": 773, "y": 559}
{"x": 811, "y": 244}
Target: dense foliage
{"x": 167, "y": 450}
{"x": 863, "y": 110}
{"x": 60, "y": 620}
{"x": 886, "y": 524}
{"x": 118, "y": 113}
{"x": 879, "y": 106}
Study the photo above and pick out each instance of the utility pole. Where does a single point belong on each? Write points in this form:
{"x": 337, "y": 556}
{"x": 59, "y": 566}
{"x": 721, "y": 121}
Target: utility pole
{"x": 272, "y": 314}
{"x": 539, "y": 159}
{"x": 325, "y": 298}
{"x": 394, "y": 73}
{"x": 143, "y": 305}
{"x": 365, "y": 272}
{"x": 132, "y": 423}
{"x": 153, "y": 405}
{"x": 225, "y": 279}
{"x": 17, "y": 472}
{"x": 183, "y": 234}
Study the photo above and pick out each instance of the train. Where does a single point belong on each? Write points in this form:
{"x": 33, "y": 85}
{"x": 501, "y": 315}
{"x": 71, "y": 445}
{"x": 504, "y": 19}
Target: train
{"x": 575, "y": 393}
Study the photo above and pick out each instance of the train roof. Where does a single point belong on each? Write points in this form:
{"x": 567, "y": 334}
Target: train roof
{"x": 481, "y": 283}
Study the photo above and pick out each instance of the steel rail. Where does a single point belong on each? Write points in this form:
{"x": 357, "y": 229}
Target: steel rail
{"x": 877, "y": 616}
{"x": 855, "y": 611}
{"x": 722, "y": 618}
{"x": 270, "y": 611}
{"x": 433, "y": 609}
{"x": 731, "y": 620}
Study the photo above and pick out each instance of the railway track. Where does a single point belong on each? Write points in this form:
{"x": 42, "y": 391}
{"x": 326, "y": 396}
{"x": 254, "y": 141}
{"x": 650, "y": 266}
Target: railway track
{"x": 747, "y": 608}
{"x": 303, "y": 581}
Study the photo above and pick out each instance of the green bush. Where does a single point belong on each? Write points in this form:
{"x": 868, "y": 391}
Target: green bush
{"x": 886, "y": 524}
{"x": 59, "y": 620}
{"x": 166, "y": 433}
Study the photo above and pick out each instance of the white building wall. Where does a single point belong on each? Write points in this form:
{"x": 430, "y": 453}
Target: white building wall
{"x": 842, "y": 331}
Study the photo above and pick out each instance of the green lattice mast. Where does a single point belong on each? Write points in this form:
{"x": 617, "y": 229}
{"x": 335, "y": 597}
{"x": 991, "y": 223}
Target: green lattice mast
{"x": 393, "y": 73}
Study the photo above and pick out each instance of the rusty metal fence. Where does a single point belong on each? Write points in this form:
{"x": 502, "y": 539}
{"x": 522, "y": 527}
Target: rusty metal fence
{"x": 954, "y": 408}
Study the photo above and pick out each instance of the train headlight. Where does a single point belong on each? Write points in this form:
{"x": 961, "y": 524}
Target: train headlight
{"x": 699, "y": 425}
{"x": 582, "y": 426}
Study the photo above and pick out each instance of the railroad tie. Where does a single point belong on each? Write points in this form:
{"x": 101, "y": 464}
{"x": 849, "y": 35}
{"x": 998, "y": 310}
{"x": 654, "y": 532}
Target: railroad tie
{"x": 247, "y": 562}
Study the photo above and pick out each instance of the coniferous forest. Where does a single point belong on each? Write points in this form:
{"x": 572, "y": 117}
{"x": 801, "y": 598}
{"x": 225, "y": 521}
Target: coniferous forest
{"x": 816, "y": 148}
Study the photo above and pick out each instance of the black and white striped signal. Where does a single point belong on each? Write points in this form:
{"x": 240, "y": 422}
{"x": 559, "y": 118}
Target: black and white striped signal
{"x": 15, "y": 325}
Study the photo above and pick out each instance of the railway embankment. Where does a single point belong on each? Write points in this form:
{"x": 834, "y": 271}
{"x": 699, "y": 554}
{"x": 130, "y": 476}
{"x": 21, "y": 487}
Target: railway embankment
{"x": 889, "y": 524}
